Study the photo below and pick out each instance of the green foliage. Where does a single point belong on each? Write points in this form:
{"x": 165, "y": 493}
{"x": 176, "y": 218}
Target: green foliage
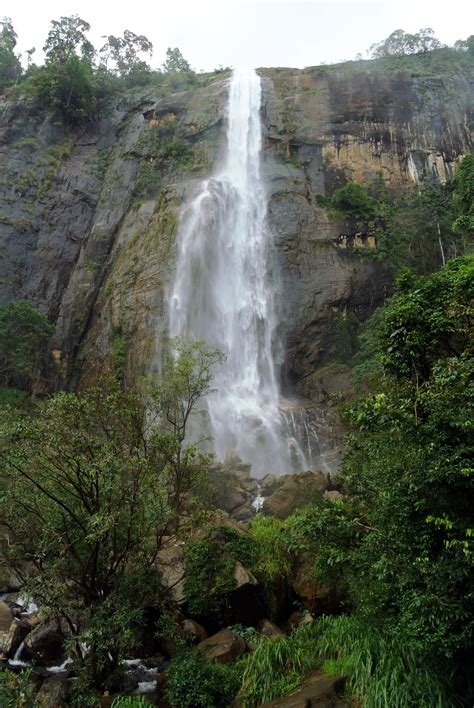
{"x": 277, "y": 666}
{"x": 175, "y": 62}
{"x": 125, "y": 53}
{"x": 345, "y": 337}
{"x": 66, "y": 39}
{"x": 431, "y": 317}
{"x": 24, "y": 332}
{"x": 11, "y": 396}
{"x": 92, "y": 483}
{"x": 381, "y": 670}
{"x": 210, "y": 564}
{"x": 416, "y": 228}
{"x": 270, "y": 561}
{"x": 10, "y": 67}
{"x": 130, "y": 702}
{"x": 16, "y": 690}
{"x": 400, "y": 543}
{"x": 463, "y": 198}
{"x": 119, "y": 354}
{"x": 68, "y": 89}
{"x": 400, "y": 43}
{"x": 194, "y": 681}
{"x": 353, "y": 200}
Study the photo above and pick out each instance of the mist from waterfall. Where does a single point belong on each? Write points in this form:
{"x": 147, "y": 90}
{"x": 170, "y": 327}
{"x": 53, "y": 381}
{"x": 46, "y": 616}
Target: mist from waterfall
{"x": 223, "y": 292}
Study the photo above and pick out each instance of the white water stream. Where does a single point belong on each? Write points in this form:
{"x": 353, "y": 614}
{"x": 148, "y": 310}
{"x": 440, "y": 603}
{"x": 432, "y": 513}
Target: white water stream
{"x": 223, "y": 292}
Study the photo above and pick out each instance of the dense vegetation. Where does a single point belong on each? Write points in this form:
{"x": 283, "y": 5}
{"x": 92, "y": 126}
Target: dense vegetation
{"x": 76, "y": 78}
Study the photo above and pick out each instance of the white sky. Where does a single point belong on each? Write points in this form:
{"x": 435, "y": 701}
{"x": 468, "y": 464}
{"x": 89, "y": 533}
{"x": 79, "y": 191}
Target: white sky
{"x": 255, "y": 33}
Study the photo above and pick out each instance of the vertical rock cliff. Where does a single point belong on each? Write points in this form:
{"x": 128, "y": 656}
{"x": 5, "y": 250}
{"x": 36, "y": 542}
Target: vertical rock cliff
{"x": 88, "y": 218}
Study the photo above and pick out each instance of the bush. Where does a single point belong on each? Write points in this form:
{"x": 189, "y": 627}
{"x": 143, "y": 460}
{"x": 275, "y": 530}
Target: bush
{"x": 353, "y": 200}
{"x": 195, "y": 681}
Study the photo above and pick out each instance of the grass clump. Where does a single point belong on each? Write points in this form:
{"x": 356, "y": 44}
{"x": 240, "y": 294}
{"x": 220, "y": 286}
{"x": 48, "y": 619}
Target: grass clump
{"x": 381, "y": 669}
{"x": 278, "y": 665}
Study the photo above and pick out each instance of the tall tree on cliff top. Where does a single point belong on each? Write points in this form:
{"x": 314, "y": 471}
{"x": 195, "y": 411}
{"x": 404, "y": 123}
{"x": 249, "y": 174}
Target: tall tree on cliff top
{"x": 400, "y": 43}
{"x": 125, "y": 53}
{"x": 10, "y": 67}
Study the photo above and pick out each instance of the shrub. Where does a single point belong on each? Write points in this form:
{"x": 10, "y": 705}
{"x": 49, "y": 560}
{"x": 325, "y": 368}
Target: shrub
{"x": 354, "y": 200}
{"x": 195, "y": 681}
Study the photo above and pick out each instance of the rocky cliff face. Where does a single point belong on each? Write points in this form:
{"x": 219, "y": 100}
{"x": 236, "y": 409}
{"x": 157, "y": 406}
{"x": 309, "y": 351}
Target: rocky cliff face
{"x": 88, "y": 219}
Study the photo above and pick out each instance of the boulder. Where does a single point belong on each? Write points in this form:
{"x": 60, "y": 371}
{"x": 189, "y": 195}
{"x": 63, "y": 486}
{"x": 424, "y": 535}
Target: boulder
{"x": 171, "y": 566}
{"x": 193, "y": 630}
{"x": 246, "y": 598}
{"x": 332, "y": 495}
{"x": 269, "y": 484}
{"x": 316, "y": 691}
{"x": 243, "y": 577}
{"x": 6, "y": 616}
{"x": 299, "y": 619}
{"x": 11, "y": 638}
{"x": 225, "y": 646}
{"x": 53, "y": 692}
{"x": 45, "y": 644}
{"x": 317, "y": 598}
{"x": 296, "y": 491}
{"x": 269, "y": 629}
{"x": 244, "y": 512}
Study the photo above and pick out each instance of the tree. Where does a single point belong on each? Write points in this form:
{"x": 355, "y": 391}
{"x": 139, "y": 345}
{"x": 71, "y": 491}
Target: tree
{"x": 401, "y": 542}
{"x": 89, "y": 490}
{"x": 67, "y": 38}
{"x": 10, "y": 67}
{"x": 24, "y": 333}
{"x": 400, "y": 43}
{"x": 67, "y": 85}
{"x": 175, "y": 62}
{"x": 68, "y": 89}
{"x": 125, "y": 53}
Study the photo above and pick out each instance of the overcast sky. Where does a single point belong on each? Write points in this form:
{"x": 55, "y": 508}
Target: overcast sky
{"x": 248, "y": 32}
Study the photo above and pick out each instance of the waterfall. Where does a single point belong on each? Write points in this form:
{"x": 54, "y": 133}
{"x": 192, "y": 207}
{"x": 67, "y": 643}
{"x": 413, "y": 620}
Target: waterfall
{"x": 223, "y": 292}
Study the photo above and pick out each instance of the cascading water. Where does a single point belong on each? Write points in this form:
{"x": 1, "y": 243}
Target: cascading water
{"x": 222, "y": 293}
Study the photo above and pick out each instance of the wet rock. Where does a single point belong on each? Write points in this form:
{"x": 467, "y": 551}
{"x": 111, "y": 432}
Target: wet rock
{"x": 11, "y": 639}
{"x": 171, "y": 565}
{"x": 6, "y": 616}
{"x": 316, "y": 691}
{"x": 299, "y": 619}
{"x": 244, "y": 512}
{"x": 193, "y": 631}
{"x": 333, "y": 495}
{"x": 296, "y": 491}
{"x": 317, "y": 598}
{"x": 232, "y": 487}
{"x": 224, "y": 647}
{"x": 269, "y": 629}
{"x": 53, "y": 692}
{"x": 246, "y": 600}
{"x": 45, "y": 644}
{"x": 270, "y": 484}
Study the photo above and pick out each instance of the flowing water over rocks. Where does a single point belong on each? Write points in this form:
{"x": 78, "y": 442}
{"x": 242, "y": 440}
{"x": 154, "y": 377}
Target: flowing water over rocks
{"x": 224, "y": 292}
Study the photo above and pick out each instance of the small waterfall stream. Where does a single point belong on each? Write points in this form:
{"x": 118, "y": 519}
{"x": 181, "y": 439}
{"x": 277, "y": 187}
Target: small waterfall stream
{"x": 223, "y": 292}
